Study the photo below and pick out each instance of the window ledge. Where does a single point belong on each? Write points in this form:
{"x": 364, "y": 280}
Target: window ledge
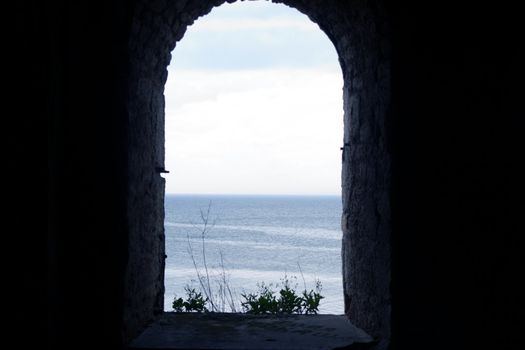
{"x": 241, "y": 331}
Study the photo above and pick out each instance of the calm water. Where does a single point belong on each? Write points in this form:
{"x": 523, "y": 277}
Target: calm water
{"x": 261, "y": 239}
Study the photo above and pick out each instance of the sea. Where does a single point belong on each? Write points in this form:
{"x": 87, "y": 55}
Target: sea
{"x": 248, "y": 240}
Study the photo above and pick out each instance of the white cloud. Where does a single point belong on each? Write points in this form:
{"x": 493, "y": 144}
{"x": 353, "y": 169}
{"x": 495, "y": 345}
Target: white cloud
{"x": 259, "y": 131}
{"x": 247, "y": 35}
{"x": 254, "y": 105}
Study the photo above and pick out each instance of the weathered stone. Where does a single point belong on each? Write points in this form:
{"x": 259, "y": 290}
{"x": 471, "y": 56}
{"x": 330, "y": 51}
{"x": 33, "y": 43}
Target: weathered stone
{"x": 88, "y": 270}
{"x": 245, "y": 332}
{"x": 358, "y": 32}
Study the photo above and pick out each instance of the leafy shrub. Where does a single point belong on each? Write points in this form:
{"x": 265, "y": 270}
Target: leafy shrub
{"x": 260, "y": 303}
{"x": 310, "y": 300}
{"x": 287, "y": 302}
{"x": 194, "y": 302}
{"x": 265, "y": 301}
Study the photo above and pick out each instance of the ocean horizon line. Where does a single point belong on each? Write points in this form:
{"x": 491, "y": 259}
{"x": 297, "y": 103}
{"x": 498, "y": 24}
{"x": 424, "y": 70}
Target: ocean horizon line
{"x": 255, "y": 194}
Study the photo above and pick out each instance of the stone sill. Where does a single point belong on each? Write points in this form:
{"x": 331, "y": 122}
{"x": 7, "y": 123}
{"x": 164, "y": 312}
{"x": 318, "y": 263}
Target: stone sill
{"x": 241, "y": 331}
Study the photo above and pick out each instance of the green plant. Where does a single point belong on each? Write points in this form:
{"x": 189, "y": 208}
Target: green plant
{"x": 194, "y": 302}
{"x": 265, "y": 301}
{"x": 287, "y": 301}
{"x": 311, "y": 299}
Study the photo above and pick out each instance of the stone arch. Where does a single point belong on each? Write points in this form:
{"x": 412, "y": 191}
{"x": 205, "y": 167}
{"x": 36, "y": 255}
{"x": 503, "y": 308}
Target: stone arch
{"x": 359, "y": 32}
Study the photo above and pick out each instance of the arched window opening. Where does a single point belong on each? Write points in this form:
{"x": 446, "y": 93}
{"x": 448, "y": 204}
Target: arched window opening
{"x": 254, "y": 123}
{"x": 360, "y": 35}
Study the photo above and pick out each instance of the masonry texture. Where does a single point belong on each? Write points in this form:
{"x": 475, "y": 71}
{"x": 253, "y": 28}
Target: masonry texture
{"x": 432, "y": 171}
{"x": 358, "y": 31}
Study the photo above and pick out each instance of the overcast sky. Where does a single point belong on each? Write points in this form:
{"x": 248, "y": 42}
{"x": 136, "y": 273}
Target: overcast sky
{"x": 254, "y": 105}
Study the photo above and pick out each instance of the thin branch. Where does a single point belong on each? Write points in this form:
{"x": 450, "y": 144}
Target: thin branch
{"x": 206, "y": 291}
{"x": 205, "y": 218}
{"x": 231, "y": 300}
{"x": 302, "y": 276}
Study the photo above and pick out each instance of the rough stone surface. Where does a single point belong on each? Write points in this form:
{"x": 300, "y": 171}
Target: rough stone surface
{"x": 358, "y": 30}
{"x": 245, "y": 332}
{"x": 83, "y": 141}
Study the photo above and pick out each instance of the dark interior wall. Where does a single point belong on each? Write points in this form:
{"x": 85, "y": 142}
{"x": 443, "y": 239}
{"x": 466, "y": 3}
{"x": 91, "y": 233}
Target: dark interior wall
{"x": 79, "y": 50}
{"x": 454, "y": 131}
{"x": 359, "y": 31}
{"x": 144, "y": 284}
{"x": 456, "y": 135}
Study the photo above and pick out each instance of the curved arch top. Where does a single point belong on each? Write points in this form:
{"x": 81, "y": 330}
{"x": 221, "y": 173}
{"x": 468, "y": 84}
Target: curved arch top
{"x": 358, "y": 30}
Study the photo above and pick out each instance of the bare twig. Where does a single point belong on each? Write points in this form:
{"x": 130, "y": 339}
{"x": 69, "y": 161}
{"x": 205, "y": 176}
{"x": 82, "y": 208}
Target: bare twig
{"x": 302, "y": 276}
{"x": 223, "y": 296}
{"x": 227, "y": 288}
{"x": 206, "y": 291}
{"x": 205, "y": 218}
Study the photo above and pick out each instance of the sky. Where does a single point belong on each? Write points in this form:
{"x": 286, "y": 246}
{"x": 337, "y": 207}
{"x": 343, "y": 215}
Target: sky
{"x": 254, "y": 105}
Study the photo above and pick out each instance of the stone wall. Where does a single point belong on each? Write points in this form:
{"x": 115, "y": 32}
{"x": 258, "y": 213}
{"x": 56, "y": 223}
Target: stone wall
{"x": 359, "y": 32}
{"x": 89, "y": 78}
